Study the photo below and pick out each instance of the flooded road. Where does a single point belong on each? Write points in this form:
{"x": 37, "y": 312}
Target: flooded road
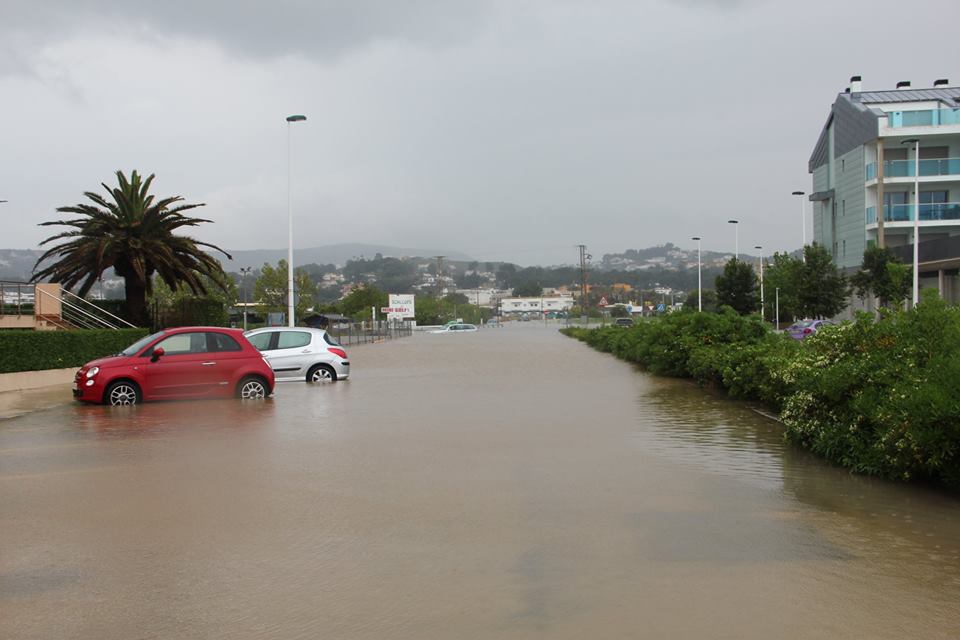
{"x": 510, "y": 483}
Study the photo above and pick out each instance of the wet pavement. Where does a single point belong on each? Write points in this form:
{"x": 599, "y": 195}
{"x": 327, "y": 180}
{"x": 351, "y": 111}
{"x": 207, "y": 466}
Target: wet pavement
{"x": 510, "y": 483}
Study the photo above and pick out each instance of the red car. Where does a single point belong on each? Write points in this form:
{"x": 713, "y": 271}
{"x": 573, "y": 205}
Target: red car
{"x": 186, "y": 362}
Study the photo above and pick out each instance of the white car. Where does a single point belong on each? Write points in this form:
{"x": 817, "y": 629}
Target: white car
{"x": 456, "y": 328}
{"x": 301, "y": 353}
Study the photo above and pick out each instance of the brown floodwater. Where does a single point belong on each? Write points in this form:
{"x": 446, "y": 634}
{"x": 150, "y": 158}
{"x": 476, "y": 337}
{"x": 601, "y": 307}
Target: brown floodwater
{"x": 510, "y": 483}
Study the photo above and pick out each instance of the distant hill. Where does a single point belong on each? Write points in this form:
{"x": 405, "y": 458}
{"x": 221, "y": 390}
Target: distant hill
{"x": 17, "y": 264}
{"x": 667, "y": 256}
{"x": 337, "y": 254}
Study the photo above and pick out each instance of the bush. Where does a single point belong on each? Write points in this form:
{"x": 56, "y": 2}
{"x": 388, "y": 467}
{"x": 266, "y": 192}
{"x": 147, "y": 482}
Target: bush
{"x": 38, "y": 350}
{"x": 883, "y": 397}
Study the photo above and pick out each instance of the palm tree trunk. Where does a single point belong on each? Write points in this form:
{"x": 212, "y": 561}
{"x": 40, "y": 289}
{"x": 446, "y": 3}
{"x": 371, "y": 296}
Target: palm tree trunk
{"x": 136, "y": 294}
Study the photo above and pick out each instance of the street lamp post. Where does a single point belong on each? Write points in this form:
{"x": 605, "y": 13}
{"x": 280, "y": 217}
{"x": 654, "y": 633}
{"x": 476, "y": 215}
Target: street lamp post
{"x": 736, "y": 235}
{"x": 778, "y": 308}
{"x": 803, "y": 221}
{"x": 762, "y": 313}
{"x": 290, "y": 319}
{"x": 244, "y": 272}
{"x": 699, "y": 284}
{"x": 916, "y": 217}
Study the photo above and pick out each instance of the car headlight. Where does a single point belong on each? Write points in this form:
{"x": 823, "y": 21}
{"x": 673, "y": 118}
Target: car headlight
{"x": 93, "y": 371}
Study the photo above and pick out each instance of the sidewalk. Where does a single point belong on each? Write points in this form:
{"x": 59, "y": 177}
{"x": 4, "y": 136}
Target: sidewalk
{"x": 28, "y": 391}
{"x": 17, "y": 403}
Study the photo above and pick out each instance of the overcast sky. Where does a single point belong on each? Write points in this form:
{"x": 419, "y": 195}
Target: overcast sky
{"x": 506, "y": 130}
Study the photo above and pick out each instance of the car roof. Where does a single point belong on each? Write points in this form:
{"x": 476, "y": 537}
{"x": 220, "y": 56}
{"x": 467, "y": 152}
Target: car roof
{"x": 264, "y": 329}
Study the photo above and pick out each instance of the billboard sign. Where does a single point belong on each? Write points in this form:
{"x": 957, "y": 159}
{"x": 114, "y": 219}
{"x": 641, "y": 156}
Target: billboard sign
{"x": 400, "y": 307}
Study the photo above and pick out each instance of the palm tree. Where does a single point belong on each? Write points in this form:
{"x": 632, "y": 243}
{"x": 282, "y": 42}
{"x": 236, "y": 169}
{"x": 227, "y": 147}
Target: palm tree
{"x": 134, "y": 234}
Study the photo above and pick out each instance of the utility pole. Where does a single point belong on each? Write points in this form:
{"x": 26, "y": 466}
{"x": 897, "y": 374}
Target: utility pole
{"x": 440, "y": 276}
{"x": 584, "y": 256}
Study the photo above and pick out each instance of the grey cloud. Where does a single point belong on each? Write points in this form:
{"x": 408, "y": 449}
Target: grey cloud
{"x": 311, "y": 28}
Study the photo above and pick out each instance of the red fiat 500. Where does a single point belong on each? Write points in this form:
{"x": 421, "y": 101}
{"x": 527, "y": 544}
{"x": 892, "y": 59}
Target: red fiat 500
{"x": 186, "y": 362}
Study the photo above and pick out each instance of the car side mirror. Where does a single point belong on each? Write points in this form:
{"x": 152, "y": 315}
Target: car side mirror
{"x": 156, "y": 354}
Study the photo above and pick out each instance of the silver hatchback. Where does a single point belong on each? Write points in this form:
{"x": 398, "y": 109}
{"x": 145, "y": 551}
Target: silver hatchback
{"x": 301, "y": 353}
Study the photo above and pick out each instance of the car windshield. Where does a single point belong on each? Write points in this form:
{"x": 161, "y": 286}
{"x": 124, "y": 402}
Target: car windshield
{"x": 135, "y": 348}
{"x": 802, "y": 325}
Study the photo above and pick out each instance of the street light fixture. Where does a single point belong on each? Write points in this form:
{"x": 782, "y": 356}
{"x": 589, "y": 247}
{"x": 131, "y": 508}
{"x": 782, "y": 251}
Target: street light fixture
{"x": 916, "y": 217}
{"x": 290, "y": 319}
{"x": 803, "y": 221}
{"x": 736, "y": 228}
{"x": 699, "y": 285}
{"x": 762, "y": 312}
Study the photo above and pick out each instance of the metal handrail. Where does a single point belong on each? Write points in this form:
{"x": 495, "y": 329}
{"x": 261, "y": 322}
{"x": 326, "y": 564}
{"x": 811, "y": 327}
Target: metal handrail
{"x": 89, "y": 317}
{"x": 100, "y": 309}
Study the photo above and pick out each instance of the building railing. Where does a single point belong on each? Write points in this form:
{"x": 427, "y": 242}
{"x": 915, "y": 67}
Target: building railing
{"x": 907, "y": 168}
{"x": 16, "y": 298}
{"x": 933, "y": 212}
{"x": 923, "y": 118}
{"x": 54, "y": 306}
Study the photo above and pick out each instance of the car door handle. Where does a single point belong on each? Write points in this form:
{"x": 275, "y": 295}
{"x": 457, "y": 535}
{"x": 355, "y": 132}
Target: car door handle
{"x": 305, "y": 351}
{"x": 207, "y": 364}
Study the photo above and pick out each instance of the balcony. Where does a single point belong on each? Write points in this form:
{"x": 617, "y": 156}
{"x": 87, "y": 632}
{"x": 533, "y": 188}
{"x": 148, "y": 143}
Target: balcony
{"x": 907, "y": 168}
{"x": 925, "y": 118}
{"x": 935, "y": 212}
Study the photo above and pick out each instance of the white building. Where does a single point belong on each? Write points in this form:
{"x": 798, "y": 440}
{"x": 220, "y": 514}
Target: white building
{"x": 515, "y": 306}
{"x": 865, "y": 161}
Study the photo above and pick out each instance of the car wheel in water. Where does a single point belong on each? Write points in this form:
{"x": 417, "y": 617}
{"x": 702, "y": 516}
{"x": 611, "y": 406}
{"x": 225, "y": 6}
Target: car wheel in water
{"x": 321, "y": 373}
{"x": 122, "y": 393}
{"x": 252, "y": 389}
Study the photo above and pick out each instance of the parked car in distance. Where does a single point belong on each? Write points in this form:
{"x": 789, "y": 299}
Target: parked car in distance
{"x": 301, "y": 353}
{"x": 806, "y": 328}
{"x": 186, "y": 362}
{"x": 456, "y": 328}
{"x": 623, "y": 322}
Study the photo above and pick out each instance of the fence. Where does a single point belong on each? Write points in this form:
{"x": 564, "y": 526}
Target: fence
{"x": 363, "y": 332}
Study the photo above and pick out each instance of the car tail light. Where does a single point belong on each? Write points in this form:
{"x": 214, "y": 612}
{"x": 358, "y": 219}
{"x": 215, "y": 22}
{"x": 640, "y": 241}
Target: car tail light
{"x": 337, "y": 352}
{"x": 807, "y": 330}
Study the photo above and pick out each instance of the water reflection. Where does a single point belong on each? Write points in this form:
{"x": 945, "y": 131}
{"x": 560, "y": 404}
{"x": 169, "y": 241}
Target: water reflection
{"x": 914, "y": 527}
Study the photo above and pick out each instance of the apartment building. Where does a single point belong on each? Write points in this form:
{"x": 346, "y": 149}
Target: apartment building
{"x": 865, "y": 163}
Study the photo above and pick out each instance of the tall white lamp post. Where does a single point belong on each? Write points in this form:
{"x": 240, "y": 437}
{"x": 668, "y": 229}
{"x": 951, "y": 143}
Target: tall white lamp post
{"x": 699, "y": 283}
{"x": 736, "y": 235}
{"x": 762, "y": 314}
{"x": 290, "y": 319}
{"x": 244, "y": 272}
{"x": 916, "y": 217}
{"x": 803, "y": 221}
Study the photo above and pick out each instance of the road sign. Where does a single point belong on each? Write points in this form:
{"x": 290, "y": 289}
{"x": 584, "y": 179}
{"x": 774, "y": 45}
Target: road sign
{"x": 603, "y": 302}
{"x": 661, "y": 307}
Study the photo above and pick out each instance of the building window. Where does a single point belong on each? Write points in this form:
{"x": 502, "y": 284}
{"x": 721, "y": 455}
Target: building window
{"x": 843, "y": 164}
{"x": 844, "y": 248}
{"x": 843, "y": 207}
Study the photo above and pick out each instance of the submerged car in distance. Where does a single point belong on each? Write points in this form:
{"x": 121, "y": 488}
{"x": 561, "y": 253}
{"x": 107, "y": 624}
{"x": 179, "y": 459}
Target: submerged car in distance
{"x": 806, "y": 328}
{"x": 456, "y": 328}
{"x": 301, "y": 353}
{"x": 174, "y": 364}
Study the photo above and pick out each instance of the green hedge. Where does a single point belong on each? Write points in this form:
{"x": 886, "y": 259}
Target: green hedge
{"x": 39, "y": 350}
